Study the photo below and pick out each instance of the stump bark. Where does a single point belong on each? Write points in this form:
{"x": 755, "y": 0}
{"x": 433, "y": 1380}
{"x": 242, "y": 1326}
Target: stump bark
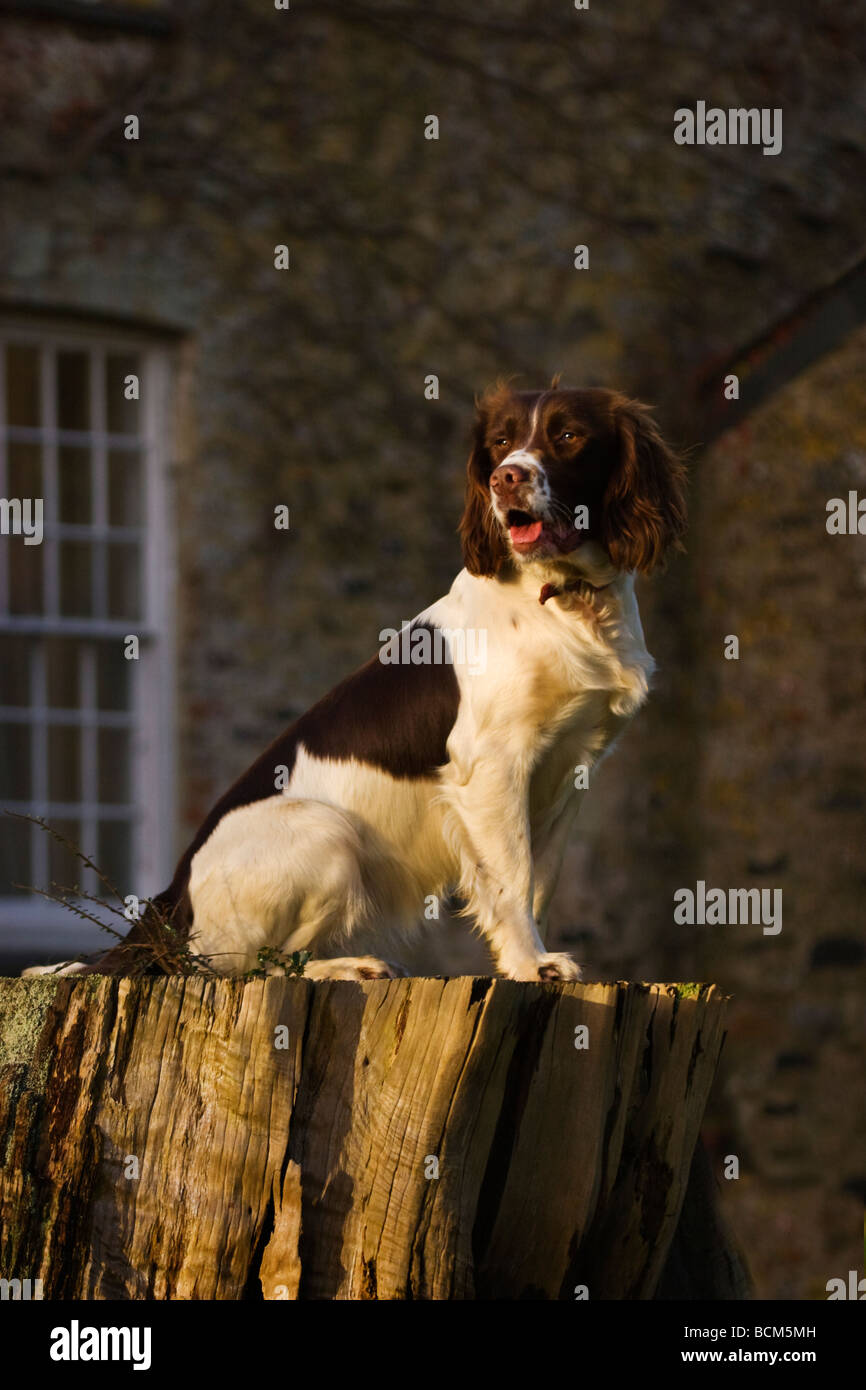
{"x": 417, "y": 1138}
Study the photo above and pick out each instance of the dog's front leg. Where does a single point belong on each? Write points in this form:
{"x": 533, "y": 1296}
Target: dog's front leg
{"x": 498, "y": 875}
{"x": 548, "y": 852}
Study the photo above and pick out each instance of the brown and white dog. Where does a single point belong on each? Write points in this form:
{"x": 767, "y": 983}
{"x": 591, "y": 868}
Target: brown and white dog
{"x": 417, "y": 777}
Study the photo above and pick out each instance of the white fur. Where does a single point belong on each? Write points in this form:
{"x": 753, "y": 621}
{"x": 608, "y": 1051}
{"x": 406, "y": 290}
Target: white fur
{"x": 67, "y": 967}
{"x": 348, "y": 850}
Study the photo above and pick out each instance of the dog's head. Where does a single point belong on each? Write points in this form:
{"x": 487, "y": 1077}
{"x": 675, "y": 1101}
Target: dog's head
{"x": 551, "y": 472}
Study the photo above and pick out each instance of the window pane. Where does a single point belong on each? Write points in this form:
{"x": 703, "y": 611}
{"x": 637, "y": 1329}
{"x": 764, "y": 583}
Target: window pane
{"x": 15, "y": 866}
{"x": 64, "y": 867}
{"x": 112, "y": 676}
{"x": 124, "y": 488}
{"x": 123, "y": 581}
{"x": 76, "y": 593}
{"x": 64, "y": 763}
{"x": 114, "y": 855}
{"x": 24, "y": 470}
{"x": 25, "y": 578}
{"x": 61, "y": 660}
{"x": 114, "y": 780}
{"x": 122, "y": 414}
{"x": 15, "y": 762}
{"x": 22, "y": 385}
{"x": 73, "y": 391}
{"x": 14, "y": 670}
{"x": 73, "y": 466}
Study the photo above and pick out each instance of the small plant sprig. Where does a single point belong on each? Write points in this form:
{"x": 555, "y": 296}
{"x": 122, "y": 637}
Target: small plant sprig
{"x": 164, "y": 947}
{"x": 292, "y": 965}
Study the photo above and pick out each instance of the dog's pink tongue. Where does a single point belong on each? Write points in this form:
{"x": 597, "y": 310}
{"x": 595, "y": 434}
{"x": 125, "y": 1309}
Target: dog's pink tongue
{"x": 523, "y": 535}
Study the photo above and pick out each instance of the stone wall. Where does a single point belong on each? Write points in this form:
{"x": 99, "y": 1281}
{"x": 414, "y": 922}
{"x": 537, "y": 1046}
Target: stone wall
{"x": 781, "y": 805}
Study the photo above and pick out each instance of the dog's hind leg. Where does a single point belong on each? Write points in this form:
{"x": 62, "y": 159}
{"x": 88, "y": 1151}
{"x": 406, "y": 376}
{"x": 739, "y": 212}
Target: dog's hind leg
{"x": 353, "y": 968}
{"x": 291, "y": 875}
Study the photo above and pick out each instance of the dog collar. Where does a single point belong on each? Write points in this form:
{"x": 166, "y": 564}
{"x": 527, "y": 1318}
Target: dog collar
{"x": 554, "y": 590}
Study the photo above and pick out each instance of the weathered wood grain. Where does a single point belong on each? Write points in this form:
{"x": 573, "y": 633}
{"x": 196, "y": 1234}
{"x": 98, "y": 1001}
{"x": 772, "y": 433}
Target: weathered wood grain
{"x": 415, "y": 1138}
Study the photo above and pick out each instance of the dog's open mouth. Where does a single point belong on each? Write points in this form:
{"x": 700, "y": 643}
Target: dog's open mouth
{"x": 523, "y": 528}
{"x": 529, "y": 533}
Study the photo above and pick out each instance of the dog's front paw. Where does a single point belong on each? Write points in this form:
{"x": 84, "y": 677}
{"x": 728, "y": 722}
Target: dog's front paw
{"x": 558, "y": 967}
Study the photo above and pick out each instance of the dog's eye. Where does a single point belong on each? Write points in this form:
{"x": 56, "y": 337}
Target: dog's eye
{"x": 501, "y": 442}
{"x": 568, "y": 434}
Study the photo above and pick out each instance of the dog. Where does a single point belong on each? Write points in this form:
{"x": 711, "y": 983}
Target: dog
{"x": 419, "y": 775}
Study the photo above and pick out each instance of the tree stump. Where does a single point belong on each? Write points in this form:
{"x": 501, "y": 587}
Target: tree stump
{"x": 417, "y": 1138}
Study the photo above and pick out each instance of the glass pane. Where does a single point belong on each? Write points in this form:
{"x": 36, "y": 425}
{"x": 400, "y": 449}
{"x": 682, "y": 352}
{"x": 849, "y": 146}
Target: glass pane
{"x": 61, "y": 660}
{"x": 14, "y": 670}
{"x": 24, "y": 470}
{"x": 112, "y": 676}
{"x": 113, "y": 781}
{"x": 76, "y": 594}
{"x": 15, "y": 762}
{"x": 65, "y": 869}
{"x": 123, "y": 581}
{"x": 73, "y": 391}
{"x": 124, "y": 488}
{"x": 122, "y": 413}
{"x": 15, "y": 866}
{"x": 22, "y": 385}
{"x": 73, "y": 467}
{"x": 64, "y": 763}
{"x": 25, "y": 578}
{"x": 114, "y": 855}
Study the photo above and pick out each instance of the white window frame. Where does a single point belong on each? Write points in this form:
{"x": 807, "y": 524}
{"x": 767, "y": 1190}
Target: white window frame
{"x": 37, "y": 922}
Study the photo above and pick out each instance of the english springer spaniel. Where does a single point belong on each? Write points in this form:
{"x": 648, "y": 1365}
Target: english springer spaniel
{"x": 455, "y": 759}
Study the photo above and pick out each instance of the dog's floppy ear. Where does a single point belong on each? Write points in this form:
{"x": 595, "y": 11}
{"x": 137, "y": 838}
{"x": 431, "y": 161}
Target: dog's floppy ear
{"x": 644, "y": 509}
{"x": 484, "y": 548}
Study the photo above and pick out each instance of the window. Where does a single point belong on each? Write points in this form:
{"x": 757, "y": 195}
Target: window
{"x": 85, "y": 732}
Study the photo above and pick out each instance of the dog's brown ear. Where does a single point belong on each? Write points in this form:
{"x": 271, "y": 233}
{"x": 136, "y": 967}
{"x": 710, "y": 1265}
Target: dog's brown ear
{"x": 644, "y": 509}
{"x": 484, "y": 549}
